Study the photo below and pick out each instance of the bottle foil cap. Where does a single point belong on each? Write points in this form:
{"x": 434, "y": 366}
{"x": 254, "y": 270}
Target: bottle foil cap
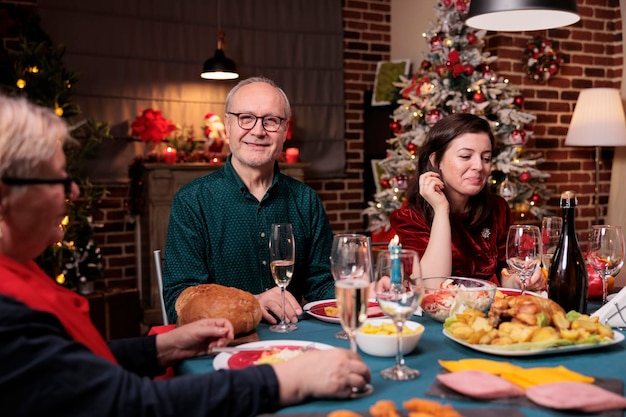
{"x": 568, "y": 199}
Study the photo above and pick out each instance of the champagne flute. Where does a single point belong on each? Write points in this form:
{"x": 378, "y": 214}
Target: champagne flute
{"x": 282, "y": 258}
{"x": 344, "y": 260}
{"x": 606, "y": 253}
{"x": 551, "y": 227}
{"x": 399, "y": 292}
{"x": 523, "y": 251}
{"x": 352, "y": 284}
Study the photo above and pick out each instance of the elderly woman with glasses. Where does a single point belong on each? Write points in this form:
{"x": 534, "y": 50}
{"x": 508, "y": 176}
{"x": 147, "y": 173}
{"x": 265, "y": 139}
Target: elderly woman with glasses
{"x": 53, "y": 361}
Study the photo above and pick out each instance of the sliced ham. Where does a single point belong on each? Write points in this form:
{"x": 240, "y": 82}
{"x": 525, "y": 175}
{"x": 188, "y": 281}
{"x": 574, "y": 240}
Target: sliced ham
{"x": 575, "y": 396}
{"x": 479, "y": 384}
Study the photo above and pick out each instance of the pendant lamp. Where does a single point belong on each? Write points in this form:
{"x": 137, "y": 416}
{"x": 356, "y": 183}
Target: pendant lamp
{"x": 219, "y": 67}
{"x": 521, "y": 15}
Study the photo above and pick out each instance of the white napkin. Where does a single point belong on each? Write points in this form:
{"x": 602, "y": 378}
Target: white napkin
{"x": 614, "y": 311}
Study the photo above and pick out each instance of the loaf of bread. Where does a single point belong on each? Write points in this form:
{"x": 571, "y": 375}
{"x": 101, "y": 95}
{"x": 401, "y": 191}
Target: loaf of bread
{"x": 217, "y": 301}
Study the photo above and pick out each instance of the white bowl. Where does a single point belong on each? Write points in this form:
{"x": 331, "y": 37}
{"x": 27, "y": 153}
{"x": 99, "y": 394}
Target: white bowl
{"x": 386, "y": 345}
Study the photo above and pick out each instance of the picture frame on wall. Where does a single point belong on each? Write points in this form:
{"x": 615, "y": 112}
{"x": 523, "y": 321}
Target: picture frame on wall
{"x": 388, "y": 72}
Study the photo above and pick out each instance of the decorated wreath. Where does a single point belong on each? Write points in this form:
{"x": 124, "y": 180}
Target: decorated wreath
{"x": 542, "y": 59}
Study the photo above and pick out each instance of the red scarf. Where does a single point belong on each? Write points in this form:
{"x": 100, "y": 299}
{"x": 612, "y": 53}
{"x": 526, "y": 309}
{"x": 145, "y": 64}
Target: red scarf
{"x": 28, "y": 284}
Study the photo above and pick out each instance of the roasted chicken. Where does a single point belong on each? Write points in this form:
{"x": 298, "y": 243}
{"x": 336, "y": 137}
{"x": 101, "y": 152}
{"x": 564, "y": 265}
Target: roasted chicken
{"x": 527, "y": 309}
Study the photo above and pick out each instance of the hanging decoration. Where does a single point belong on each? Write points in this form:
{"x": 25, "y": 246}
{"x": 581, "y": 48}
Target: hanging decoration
{"x": 542, "y": 59}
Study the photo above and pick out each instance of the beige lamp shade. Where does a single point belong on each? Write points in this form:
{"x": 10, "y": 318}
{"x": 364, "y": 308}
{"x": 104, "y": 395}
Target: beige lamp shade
{"x": 521, "y": 15}
{"x": 598, "y": 119}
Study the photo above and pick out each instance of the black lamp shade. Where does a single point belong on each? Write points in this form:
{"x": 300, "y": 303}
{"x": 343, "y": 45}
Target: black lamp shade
{"x": 219, "y": 67}
{"x": 521, "y": 15}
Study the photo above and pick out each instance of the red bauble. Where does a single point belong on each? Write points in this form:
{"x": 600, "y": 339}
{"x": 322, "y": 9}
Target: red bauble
{"x": 478, "y": 97}
{"x": 442, "y": 71}
{"x": 471, "y": 38}
{"x": 468, "y": 69}
{"x": 411, "y": 147}
{"x": 426, "y": 64}
{"x": 395, "y": 127}
{"x": 525, "y": 176}
{"x": 436, "y": 44}
{"x": 519, "y": 101}
{"x": 384, "y": 182}
{"x": 433, "y": 116}
{"x": 535, "y": 198}
{"x": 518, "y": 137}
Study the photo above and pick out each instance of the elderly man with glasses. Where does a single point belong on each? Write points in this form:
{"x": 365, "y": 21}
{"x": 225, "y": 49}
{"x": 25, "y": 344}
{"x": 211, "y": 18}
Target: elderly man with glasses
{"x": 220, "y": 224}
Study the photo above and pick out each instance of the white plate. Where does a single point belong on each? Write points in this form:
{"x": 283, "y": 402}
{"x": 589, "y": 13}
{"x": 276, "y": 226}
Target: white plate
{"x": 242, "y": 359}
{"x": 316, "y": 309}
{"x": 526, "y": 349}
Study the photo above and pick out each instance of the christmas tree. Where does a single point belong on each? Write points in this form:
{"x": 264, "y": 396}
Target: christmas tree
{"x": 32, "y": 67}
{"x": 457, "y": 76}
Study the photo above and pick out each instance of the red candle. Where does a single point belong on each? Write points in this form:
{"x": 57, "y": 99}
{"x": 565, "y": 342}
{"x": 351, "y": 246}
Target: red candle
{"x": 292, "y": 155}
{"x": 169, "y": 155}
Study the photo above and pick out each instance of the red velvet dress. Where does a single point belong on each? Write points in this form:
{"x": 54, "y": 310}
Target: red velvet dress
{"x": 475, "y": 254}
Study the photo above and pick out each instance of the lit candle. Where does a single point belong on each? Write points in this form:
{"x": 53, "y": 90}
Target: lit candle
{"x": 169, "y": 155}
{"x": 292, "y": 155}
{"x": 396, "y": 264}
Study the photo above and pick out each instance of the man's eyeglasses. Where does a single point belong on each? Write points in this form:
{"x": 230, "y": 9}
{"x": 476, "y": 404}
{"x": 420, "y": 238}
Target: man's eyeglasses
{"x": 67, "y": 182}
{"x": 247, "y": 121}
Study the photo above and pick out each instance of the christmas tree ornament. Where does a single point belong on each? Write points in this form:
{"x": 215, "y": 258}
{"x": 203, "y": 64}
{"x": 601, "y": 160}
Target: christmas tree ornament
{"x": 395, "y": 127}
{"x": 507, "y": 190}
{"x": 478, "y": 97}
{"x": 433, "y": 116}
{"x": 519, "y": 101}
{"x": 518, "y": 137}
{"x": 471, "y": 38}
{"x": 400, "y": 182}
{"x": 411, "y": 147}
{"x": 525, "y": 176}
{"x": 426, "y": 64}
{"x": 384, "y": 182}
{"x": 535, "y": 199}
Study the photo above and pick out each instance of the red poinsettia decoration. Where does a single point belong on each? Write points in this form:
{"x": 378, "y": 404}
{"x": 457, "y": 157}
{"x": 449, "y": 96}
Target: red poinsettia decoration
{"x": 151, "y": 126}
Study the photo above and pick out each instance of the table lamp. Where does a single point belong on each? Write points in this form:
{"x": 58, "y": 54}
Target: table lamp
{"x": 598, "y": 121}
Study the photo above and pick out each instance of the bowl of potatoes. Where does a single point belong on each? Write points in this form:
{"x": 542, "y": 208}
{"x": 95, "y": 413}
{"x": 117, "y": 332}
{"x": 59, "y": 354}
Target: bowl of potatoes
{"x": 378, "y": 337}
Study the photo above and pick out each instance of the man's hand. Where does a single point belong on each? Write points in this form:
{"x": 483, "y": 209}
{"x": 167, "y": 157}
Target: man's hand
{"x": 272, "y": 308}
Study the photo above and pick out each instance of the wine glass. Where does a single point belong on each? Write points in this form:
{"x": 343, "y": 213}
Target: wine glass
{"x": 345, "y": 260}
{"x": 523, "y": 251}
{"x": 551, "y": 227}
{"x": 399, "y": 292}
{"x": 352, "y": 274}
{"x": 282, "y": 257}
{"x": 606, "y": 253}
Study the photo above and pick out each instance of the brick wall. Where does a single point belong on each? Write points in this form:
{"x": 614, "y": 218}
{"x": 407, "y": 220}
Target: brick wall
{"x": 593, "y": 49}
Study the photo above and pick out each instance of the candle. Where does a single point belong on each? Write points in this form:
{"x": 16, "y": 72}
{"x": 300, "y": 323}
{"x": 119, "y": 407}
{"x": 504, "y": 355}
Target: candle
{"x": 292, "y": 155}
{"x": 169, "y": 155}
{"x": 396, "y": 263}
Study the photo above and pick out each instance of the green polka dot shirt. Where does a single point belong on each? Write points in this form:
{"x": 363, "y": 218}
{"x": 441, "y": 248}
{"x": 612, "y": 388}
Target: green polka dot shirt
{"x": 218, "y": 232}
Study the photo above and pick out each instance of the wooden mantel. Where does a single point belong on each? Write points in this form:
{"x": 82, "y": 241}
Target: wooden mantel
{"x": 161, "y": 182}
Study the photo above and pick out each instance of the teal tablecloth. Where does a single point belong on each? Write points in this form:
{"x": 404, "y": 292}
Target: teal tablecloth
{"x": 607, "y": 363}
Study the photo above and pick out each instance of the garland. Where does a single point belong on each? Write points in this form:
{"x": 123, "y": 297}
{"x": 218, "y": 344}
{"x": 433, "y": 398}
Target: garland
{"x": 541, "y": 60}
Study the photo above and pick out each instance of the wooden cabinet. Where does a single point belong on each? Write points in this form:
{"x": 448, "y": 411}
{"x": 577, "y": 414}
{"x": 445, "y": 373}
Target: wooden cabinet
{"x": 161, "y": 182}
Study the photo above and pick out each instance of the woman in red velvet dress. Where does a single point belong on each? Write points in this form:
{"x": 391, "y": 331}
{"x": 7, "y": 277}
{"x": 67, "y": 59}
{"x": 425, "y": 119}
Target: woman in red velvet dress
{"x": 450, "y": 218}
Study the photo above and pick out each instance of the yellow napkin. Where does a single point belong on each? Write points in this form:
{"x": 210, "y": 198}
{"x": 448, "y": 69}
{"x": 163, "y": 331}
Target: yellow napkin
{"x": 520, "y": 376}
{"x": 492, "y": 367}
{"x": 536, "y": 376}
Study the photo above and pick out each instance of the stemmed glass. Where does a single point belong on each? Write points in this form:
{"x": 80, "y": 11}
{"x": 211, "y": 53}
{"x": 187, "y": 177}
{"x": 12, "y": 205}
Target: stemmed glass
{"x": 352, "y": 274}
{"x": 523, "y": 251}
{"x": 606, "y": 253}
{"x": 282, "y": 258}
{"x": 345, "y": 260}
{"x": 550, "y": 235}
{"x": 399, "y": 292}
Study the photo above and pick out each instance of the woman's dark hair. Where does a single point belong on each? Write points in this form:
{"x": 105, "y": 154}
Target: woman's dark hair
{"x": 437, "y": 142}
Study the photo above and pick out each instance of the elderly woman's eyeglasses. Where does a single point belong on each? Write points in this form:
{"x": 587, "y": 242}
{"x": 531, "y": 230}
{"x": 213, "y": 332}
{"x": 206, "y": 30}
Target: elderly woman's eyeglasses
{"x": 247, "y": 121}
{"x": 67, "y": 182}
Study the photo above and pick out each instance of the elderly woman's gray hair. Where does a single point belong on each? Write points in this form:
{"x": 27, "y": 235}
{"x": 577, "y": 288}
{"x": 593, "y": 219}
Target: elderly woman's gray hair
{"x": 29, "y": 135}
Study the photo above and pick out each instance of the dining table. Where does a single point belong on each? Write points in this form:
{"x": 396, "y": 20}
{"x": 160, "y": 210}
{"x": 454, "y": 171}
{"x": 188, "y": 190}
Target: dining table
{"x": 607, "y": 364}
